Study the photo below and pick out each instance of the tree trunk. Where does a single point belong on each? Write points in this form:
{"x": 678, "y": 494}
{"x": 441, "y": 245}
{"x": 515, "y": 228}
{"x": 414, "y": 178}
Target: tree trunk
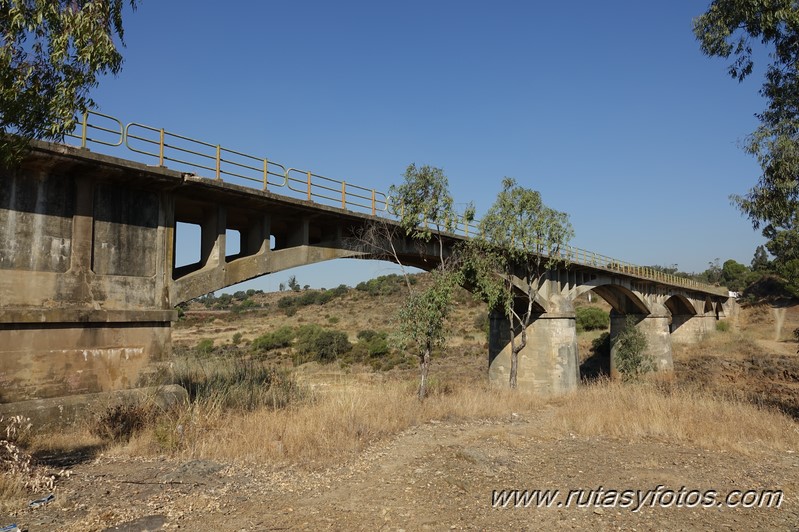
{"x": 514, "y": 366}
{"x": 424, "y": 367}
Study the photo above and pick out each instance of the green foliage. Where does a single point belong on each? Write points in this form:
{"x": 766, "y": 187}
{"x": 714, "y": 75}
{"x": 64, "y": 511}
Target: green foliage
{"x": 293, "y": 285}
{"x": 236, "y": 338}
{"x": 423, "y": 202}
{"x": 520, "y": 241}
{"x": 734, "y": 275}
{"x": 423, "y": 314}
{"x": 376, "y": 342}
{"x": 290, "y": 304}
{"x": 205, "y": 346}
{"x": 282, "y": 337}
{"x": 53, "y": 53}
{"x": 760, "y": 261}
{"x": 591, "y": 318}
{"x": 323, "y": 345}
{"x": 382, "y": 286}
{"x": 728, "y": 29}
{"x": 722, "y": 326}
{"x": 629, "y": 351}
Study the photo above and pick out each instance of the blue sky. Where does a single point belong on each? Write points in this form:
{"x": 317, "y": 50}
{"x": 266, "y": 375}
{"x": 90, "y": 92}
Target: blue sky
{"x": 609, "y": 109}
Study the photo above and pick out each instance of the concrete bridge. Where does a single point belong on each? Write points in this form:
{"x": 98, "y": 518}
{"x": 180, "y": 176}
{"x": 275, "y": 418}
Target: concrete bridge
{"x": 88, "y": 282}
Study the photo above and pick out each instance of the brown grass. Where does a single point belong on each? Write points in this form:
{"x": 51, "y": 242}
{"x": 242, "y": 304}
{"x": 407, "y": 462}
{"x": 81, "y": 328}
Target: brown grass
{"x": 638, "y": 412}
{"x": 331, "y": 425}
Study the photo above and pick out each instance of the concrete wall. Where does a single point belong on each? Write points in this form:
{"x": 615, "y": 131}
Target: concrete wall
{"x": 656, "y": 330}
{"x": 83, "y": 270}
{"x": 548, "y": 365}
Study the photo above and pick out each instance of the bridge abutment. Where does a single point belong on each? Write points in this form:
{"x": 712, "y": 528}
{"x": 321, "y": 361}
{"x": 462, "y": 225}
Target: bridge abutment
{"x": 548, "y": 365}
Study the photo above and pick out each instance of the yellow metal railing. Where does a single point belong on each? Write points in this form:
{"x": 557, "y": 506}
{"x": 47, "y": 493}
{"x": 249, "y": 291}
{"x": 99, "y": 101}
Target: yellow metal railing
{"x": 231, "y": 166}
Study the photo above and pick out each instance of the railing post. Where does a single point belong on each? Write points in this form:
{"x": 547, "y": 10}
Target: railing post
{"x": 84, "y": 134}
{"x": 374, "y": 207}
{"x": 266, "y": 174}
{"x": 218, "y": 162}
{"x": 466, "y": 226}
{"x": 309, "y": 185}
{"x": 161, "y": 148}
{"x": 344, "y": 195}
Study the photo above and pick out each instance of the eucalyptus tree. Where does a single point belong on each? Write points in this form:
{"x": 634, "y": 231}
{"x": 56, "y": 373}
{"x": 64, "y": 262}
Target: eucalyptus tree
{"x": 738, "y": 30}
{"x": 520, "y": 241}
{"x": 53, "y": 52}
{"x": 425, "y": 211}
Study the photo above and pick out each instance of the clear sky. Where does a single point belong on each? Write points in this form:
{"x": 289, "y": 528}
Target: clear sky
{"x": 609, "y": 109}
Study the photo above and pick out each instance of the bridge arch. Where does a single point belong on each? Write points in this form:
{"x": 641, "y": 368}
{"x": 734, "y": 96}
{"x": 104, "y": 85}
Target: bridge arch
{"x": 621, "y": 299}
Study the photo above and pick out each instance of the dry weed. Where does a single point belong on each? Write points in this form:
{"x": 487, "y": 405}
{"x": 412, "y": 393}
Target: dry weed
{"x": 642, "y": 411}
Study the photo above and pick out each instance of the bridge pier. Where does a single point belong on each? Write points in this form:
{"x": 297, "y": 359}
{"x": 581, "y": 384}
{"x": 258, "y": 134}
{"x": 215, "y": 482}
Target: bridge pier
{"x": 686, "y": 329}
{"x": 548, "y": 365}
{"x": 658, "y": 338}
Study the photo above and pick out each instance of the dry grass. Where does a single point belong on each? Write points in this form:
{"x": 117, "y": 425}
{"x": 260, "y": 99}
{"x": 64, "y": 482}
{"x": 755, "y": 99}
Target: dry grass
{"x": 326, "y": 425}
{"x": 329, "y": 426}
{"x": 643, "y": 411}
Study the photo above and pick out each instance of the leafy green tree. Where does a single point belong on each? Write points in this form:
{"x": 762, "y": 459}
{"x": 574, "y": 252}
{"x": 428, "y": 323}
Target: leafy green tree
{"x": 734, "y": 275}
{"x": 426, "y": 211}
{"x": 629, "y": 353}
{"x": 53, "y": 53}
{"x": 520, "y": 241}
{"x": 760, "y": 261}
{"x": 730, "y": 29}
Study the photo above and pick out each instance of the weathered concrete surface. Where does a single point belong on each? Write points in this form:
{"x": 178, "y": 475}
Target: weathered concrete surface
{"x": 691, "y": 329}
{"x": 655, "y": 328}
{"x": 41, "y": 361}
{"x": 65, "y": 410}
{"x": 548, "y": 365}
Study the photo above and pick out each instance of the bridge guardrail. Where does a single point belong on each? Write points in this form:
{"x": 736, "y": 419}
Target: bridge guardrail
{"x": 238, "y": 167}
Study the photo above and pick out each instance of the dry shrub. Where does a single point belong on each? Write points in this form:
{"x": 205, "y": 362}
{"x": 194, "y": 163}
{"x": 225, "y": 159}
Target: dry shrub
{"x": 636, "y": 412}
{"x": 19, "y": 474}
{"x": 120, "y": 422}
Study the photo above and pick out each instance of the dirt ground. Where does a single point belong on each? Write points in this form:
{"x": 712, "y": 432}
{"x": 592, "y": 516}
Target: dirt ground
{"x": 442, "y": 475}
{"x": 439, "y": 476}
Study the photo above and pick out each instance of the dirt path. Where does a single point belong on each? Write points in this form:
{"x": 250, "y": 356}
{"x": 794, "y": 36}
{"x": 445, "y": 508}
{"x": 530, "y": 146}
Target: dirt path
{"x": 439, "y": 476}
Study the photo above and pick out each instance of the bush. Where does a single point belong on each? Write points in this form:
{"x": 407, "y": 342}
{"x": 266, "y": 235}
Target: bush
{"x": 236, "y": 338}
{"x": 121, "y": 422}
{"x": 376, "y": 342}
{"x": 275, "y": 339}
{"x": 591, "y": 318}
{"x": 722, "y": 326}
{"x": 205, "y": 346}
{"x": 321, "y": 344}
{"x": 382, "y": 286}
{"x": 629, "y": 353}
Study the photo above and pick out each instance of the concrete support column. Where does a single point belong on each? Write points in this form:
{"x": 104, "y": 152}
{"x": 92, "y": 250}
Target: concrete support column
{"x": 658, "y": 338}
{"x": 212, "y": 237}
{"x": 687, "y": 329}
{"x": 548, "y": 365}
